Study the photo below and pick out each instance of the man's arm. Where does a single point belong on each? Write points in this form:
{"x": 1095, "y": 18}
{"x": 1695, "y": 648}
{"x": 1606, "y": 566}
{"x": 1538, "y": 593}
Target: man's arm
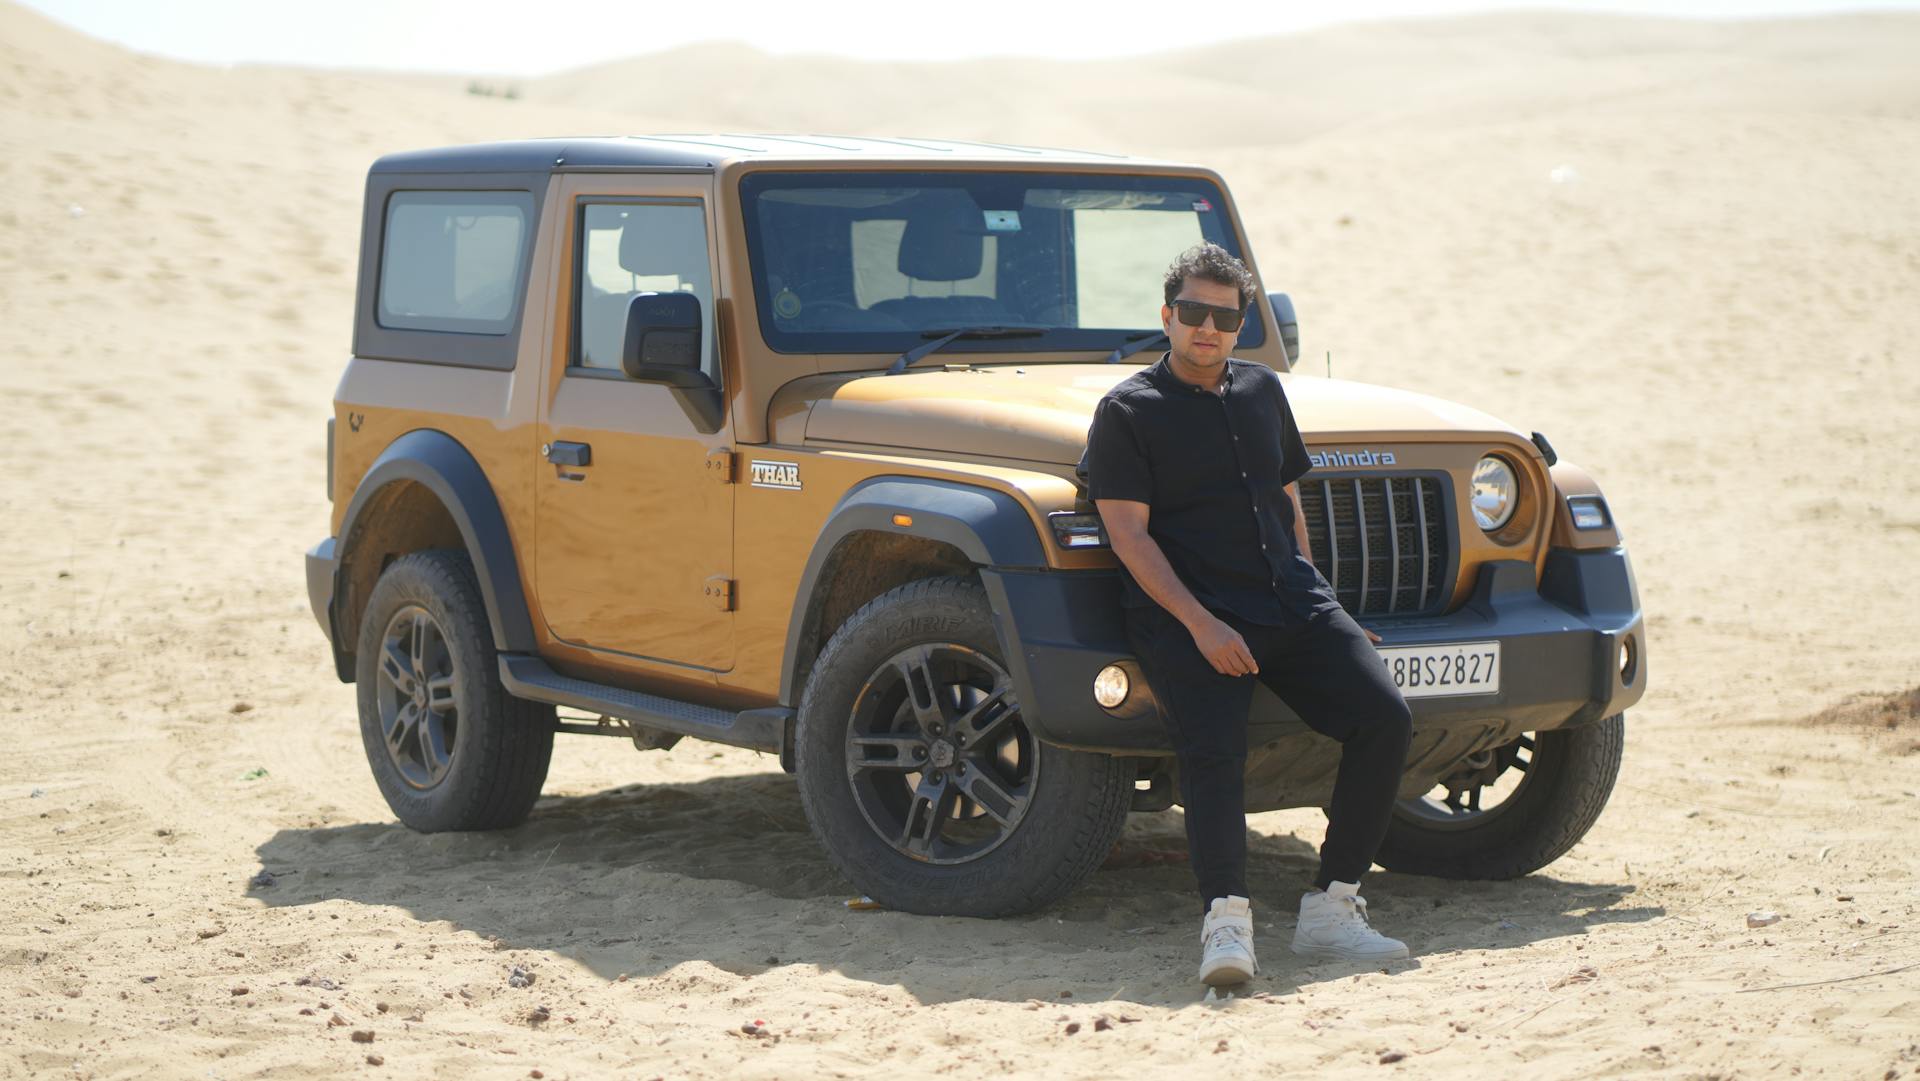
{"x": 1126, "y": 525}
{"x": 1300, "y": 524}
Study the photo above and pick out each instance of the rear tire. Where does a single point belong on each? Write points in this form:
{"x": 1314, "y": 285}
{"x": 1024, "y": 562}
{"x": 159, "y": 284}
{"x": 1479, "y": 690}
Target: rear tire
{"x": 1567, "y": 781}
{"x": 449, "y": 747}
{"x": 921, "y": 779}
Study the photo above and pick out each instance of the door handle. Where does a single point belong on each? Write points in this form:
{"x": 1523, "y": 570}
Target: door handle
{"x": 578, "y": 455}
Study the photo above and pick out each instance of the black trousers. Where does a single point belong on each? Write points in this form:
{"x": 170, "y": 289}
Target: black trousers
{"x": 1326, "y": 671}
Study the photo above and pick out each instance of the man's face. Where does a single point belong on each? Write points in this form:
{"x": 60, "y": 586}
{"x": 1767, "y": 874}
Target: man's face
{"x": 1204, "y": 347}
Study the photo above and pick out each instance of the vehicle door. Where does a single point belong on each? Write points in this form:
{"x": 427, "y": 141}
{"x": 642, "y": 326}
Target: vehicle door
{"x": 635, "y": 527}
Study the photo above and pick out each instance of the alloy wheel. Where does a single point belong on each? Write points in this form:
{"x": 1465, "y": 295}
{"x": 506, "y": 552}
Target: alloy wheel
{"x": 419, "y": 712}
{"x": 940, "y": 763}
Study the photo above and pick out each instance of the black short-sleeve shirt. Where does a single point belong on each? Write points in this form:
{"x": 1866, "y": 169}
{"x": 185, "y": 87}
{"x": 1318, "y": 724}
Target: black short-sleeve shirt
{"x": 1212, "y": 469}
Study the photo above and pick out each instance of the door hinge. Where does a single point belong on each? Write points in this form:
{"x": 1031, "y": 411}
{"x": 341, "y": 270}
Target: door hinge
{"x": 720, "y": 465}
{"x": 719, "y": 590}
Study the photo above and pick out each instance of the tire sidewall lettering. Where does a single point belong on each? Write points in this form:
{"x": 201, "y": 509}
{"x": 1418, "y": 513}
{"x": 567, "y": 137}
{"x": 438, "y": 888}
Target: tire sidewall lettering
{"x": 926, "y": 628}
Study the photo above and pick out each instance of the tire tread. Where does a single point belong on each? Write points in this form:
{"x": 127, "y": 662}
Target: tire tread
{"x": 1094, "y": 830}
{"x": 511, "y": 740}
{"x": 1586, "y": 762}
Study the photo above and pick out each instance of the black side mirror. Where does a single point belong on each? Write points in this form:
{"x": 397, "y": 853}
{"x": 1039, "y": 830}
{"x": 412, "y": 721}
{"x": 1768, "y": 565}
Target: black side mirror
{"x": 663, "y": 346}
{"x": 663, "y": 339}
{"x": 1289, "y": 326}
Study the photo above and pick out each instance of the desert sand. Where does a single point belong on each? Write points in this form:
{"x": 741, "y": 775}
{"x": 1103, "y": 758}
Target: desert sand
{"x": 1687, "y": 252}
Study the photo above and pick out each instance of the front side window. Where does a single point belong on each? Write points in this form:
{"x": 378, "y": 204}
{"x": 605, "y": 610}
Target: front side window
{"x": 879, "y": 262}
{"x": 629, "y": 248}
{"x": 454, "y": 261}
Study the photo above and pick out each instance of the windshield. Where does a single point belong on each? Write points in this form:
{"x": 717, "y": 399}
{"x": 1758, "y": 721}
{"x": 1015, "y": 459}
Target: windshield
{"x": 870, "y": 262}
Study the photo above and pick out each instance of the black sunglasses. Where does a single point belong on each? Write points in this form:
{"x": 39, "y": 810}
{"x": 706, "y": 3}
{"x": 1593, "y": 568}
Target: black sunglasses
{"x": 1193, "y": 313}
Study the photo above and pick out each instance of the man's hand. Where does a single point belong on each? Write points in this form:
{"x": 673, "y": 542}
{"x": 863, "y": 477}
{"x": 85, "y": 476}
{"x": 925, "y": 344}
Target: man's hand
{"x": 1371, "y": 637}
{"x": 1223, "y": 647}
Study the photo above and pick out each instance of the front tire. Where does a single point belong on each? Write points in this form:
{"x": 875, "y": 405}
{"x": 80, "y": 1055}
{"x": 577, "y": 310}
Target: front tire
{"x": 449, "y": 747}
{"x": 923, "y": 781}
{"x": 1566, "y": 776}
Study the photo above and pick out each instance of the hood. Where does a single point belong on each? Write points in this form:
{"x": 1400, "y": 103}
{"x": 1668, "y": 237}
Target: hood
{"x": 1040, "y": 413}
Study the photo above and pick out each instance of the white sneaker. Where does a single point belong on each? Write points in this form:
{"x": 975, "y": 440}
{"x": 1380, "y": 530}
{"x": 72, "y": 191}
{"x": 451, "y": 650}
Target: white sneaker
{"x": 1333, "y": 924}
{"x": 1226, "y": 943}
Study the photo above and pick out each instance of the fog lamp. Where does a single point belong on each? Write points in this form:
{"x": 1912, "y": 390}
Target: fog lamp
{"x": 1110, "y": 687}
{"x": 1629, "y": 660}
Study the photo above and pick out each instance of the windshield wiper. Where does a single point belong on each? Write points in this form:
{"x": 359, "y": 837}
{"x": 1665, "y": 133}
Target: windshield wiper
{"x": 943, "y": 337}
{"x": 1135, "y": 343}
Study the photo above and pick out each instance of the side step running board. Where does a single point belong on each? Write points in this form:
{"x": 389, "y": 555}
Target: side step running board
{"x": 529, "y": 677}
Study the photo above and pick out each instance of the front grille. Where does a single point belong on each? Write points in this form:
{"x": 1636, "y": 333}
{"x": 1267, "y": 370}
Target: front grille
{"x": 1389, "y": 549}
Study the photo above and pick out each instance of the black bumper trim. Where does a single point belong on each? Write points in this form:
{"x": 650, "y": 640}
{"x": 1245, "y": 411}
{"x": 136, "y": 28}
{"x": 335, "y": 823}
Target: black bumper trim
{"x": 323, "y": 573}
{"x": 1559, "y": 645}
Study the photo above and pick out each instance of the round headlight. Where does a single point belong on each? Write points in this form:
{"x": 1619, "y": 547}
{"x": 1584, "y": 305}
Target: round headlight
{"x": 1495, "y": 493}
{"x": 1110, "y": 686}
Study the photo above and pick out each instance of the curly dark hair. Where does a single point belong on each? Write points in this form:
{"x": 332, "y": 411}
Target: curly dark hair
{"x": 1210, "y": 262}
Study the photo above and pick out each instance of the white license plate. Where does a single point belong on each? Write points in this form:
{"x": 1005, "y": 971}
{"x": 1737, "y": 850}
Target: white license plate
{"x": 1439, "y": 671}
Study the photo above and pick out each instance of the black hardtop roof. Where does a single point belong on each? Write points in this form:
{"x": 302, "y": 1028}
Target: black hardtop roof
{"x": 705, "y": 152}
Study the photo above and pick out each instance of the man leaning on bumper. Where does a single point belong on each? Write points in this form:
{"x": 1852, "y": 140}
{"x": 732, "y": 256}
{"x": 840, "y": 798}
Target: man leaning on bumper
{"x": 1193, "y": 464}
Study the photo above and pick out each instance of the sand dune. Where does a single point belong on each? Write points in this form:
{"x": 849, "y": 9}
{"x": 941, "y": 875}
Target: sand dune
{"x": 1364, "y": 79}
{"x": 1685, "y": 251}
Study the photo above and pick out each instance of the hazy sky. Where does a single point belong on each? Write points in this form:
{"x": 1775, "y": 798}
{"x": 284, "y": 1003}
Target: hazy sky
{"x": 531, "y": 38}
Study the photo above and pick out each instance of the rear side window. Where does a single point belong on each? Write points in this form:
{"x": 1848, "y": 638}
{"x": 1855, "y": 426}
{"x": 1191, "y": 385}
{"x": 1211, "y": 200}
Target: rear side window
{"x": 453, "y": 261}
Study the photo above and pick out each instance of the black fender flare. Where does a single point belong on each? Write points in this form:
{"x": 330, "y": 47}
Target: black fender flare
{"x": 990, "y": 528}
{"x": 437, "y": 462}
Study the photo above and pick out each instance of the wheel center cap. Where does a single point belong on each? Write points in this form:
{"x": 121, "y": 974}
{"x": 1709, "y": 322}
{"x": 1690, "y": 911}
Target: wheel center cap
{"x": 420, "y": 696}
{"x": 941, "y": 755}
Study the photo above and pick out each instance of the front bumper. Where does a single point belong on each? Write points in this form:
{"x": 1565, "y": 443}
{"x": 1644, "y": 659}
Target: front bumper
{"x": 1560, "y": 645}
{"x": 323, "y": 570}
